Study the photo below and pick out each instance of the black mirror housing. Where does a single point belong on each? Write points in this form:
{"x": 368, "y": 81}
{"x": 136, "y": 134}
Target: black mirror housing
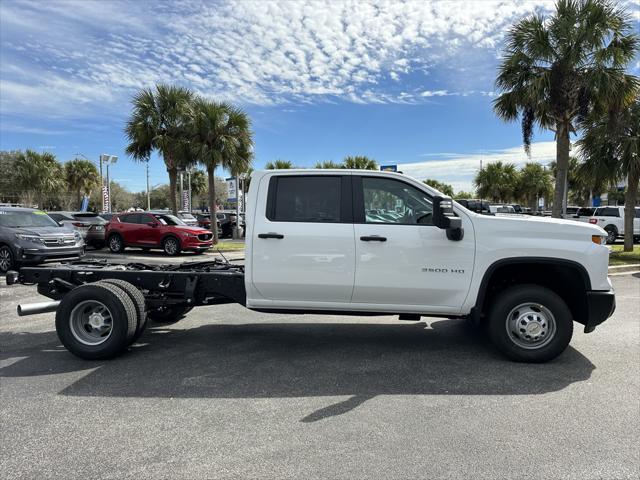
{"x": 445, "y": 218}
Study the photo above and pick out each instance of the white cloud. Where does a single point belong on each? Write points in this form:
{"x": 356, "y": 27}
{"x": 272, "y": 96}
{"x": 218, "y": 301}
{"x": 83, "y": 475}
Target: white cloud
{"x": 458, "y": 170}
{"x": 253, "y": 52}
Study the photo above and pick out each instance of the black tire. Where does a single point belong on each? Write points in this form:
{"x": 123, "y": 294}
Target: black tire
{"x": 169, "y": 315}
{"x": 171, "y": 246}
{"x": 612, "y": 233}
{"x": 7, "y": 261}
{"x": 138, "y": 300}
{"x": 116, "y": 243}
{"x": 123, "y": 320}
{"x": 558, "y": 326}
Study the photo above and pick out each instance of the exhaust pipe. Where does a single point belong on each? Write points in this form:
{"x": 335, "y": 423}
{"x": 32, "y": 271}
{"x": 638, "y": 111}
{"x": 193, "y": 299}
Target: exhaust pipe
{"x": 35, "y": 308}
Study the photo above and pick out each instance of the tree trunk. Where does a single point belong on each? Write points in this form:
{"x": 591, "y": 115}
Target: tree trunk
{"x": 630, "y": 198}
{"x": 212, "y": 202}
{"x": 173, "y": 176}
{"x": 562, "y": 167}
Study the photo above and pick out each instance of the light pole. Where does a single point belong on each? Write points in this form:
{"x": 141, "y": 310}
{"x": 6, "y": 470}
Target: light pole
{"x": 148, "y": 192}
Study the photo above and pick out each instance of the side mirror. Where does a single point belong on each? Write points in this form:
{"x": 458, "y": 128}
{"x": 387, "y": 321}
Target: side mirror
{"x": 445, "y": 219}
{"x": 152, "y": 224}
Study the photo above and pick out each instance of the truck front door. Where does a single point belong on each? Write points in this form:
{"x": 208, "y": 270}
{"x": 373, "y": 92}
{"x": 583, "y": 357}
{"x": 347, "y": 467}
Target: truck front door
{"x": 401, "y": 257}
{"x": 302, "y": 244}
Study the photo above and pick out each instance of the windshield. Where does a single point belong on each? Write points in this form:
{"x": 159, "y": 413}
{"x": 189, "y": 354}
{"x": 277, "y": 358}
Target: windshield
{"x": 16, "y": 218}
{"x": 169, "y": 220}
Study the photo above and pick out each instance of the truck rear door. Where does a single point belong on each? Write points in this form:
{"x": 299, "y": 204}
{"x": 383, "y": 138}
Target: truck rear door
{"x": 302, "y": 244}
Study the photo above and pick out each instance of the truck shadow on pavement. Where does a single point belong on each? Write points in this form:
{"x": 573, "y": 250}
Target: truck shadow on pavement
{"x": 275, "y": 360}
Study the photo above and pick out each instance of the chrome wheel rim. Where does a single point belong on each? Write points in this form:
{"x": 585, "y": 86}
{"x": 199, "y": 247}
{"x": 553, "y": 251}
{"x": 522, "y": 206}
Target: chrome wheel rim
{"x": 5, "y": 260}
{"x": 114, "y": 243}
{"x": 170, "y": 246}
{"x": 91, "y": 322}
{"x": 531, "y": 326}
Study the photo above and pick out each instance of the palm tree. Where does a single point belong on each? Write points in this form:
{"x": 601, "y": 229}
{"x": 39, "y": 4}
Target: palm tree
{"x": 81, "y": 176}
{"x": 611, "y": 147}
{"x": 198, "y": 182}
{"x": 359, "y": 162}
{"x": 38, "y": 174}
{"x": 497, "y": 181}
{"x": 440, "y": 186}
{"x": 328, "y": 164}
{"x": 557, "y": 69}
{"x": 279, "y": 165}
{"x": 159, "y": 121}
{"x": 533, "y": 182}
{"x": 220, "y": 136}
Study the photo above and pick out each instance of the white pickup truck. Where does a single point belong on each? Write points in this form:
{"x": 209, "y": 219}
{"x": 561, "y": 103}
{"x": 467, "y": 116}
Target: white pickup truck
{"x": 355, "y": 242}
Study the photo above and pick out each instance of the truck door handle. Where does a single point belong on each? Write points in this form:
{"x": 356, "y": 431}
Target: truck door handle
{"x": 373, "y": 238}
{"x": 271, "y": 235}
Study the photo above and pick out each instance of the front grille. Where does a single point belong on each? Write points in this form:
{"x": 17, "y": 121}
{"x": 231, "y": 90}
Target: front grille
{"x": 59, "y": 241}
{"x": 205, "y": 236}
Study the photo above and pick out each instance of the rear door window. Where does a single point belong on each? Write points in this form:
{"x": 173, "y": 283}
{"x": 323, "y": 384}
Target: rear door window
{"x": 608, "y": 212}
{"x": 315, "y": 199}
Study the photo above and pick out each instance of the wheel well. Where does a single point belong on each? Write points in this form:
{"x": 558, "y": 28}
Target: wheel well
{"x": 170, "y": 235}
{"x": 611, "y": 226}
{"x": 567, "y": 279}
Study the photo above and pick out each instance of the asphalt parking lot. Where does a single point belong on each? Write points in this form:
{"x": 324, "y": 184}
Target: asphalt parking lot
{"x": 230, "y": 393}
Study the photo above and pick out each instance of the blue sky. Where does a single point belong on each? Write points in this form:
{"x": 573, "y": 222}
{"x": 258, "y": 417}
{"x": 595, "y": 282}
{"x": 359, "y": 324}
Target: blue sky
{"x": 407, "y": 83}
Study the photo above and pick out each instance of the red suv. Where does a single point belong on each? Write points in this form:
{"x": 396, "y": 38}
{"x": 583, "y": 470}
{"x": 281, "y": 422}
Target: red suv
{"x": 155, "y": 230}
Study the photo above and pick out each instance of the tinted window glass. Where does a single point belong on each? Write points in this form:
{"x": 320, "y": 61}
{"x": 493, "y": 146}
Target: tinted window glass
{"x": 133, "y": 218}
{"x": 585, "y": 212}
{"x": 392, "y": 201}
{"x": 307, "y": 199}
{"x": 144, "y": 219}
{"x": 637, "y": 212}
{"x": 608, "y": 212}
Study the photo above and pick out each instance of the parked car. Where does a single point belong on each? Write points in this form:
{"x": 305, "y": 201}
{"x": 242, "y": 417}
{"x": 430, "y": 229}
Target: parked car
{"x": 29, "y": 236}
{"x": 612, "y": 220}
{"x": 571, "y": 212}
{"x": 188, "y": 218}
{"x": 502, "y": 209}
{"x": 155, "y": 230}
{"x": 204, "y": 221}
{"x": 478, "y": 206}
{"x": 90, "y": 225}
{"x": 106, "y": 216}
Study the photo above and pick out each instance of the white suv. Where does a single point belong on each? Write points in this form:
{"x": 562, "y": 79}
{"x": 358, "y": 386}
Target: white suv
{"x": 612, "y": 220}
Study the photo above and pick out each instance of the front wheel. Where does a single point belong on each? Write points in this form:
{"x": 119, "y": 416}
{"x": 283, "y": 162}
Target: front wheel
{"x": 171, "y": 246}
{"x": 6, "y": 259}
{"x": 530, "y": 323}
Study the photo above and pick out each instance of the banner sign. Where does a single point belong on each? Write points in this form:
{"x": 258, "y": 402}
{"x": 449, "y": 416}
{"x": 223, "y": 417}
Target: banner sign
{"x": 232, "y": 194}
{"x": 185, "y": 201}
{"x": 388, "y": 168}
{"x": 105, "y": 198}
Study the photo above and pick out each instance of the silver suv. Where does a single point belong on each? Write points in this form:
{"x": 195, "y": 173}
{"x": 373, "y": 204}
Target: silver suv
{"x": 29, "y": 236}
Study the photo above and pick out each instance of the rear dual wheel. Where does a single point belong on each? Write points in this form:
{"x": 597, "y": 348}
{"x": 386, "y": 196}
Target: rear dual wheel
{"x": 100, "y": 320}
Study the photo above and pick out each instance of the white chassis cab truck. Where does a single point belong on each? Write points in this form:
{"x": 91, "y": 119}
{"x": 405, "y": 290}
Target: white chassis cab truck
{"x": 354, "y": 242}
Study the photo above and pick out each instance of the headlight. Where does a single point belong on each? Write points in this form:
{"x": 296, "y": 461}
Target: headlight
{"x": 599, "y": 239}
{"x": 30, "y": 238}
{"x": 190, "y": 235}
{"x": 77, "y": 236}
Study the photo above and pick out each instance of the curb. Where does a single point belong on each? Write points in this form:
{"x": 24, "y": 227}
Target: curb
{"x": 632, "y": 268}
